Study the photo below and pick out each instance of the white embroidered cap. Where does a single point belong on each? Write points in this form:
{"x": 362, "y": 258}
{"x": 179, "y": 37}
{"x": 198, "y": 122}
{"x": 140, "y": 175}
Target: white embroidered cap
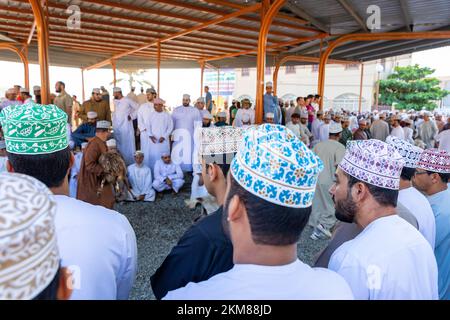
{"x": 409, "y": 152}
{"x": 29, "y": 259}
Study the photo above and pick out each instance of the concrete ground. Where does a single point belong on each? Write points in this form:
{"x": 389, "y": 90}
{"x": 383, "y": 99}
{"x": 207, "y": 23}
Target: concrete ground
{"x": 158, "y": 226}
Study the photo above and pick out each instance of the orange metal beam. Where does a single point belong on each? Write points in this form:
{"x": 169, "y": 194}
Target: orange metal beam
{"x": 283, "y": 44}
{"x": 261, "y": 57}
{"x": 300, "y": 59}
{"x": 23, "y": 57}
{"x": 202, "y": 70}
{"x": 117, "y": 27}
{"x": 42, "y": 33}
{"x": 113, "y": 65}
{"x": 179, "y": 34}
{"x": 239, "y": 6}
{"x": 158, "y": 66}
{"x": 371, "y": 37}
{"x": 227, "y": 4}
{"x": 165, "y": 13}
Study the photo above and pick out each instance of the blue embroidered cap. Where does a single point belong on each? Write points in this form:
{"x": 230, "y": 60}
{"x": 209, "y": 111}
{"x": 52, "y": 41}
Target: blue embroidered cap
{"x": 273, "y": 164}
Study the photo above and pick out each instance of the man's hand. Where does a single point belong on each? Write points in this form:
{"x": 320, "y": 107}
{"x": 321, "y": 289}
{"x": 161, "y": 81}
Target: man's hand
{"x": 161, "y": 140}
{"x": 153, "y": 139}
{"x": 141, "y": 197}
{"x": 168, "y": 181}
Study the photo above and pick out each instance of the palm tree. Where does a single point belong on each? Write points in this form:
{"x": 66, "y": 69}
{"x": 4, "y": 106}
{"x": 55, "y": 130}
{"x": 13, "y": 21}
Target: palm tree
{"x": 134, "y": 77}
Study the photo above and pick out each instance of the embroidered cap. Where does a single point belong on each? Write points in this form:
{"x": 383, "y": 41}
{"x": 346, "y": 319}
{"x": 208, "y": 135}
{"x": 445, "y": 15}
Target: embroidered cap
{"x": 34, "y": 128}
{"x": 29, "y": 258}
{"x": 273, "y": 164}
{"x": 409, "y": 152}
{"x": 434, "y": 160}
{"x": 374, "y": 162}
{"x": 220, "y": 140}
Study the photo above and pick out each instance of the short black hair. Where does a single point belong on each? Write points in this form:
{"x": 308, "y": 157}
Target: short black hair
{"x": 295, "y": 115}
{"x": 385, "y": 197}
{"x": 62, "y": 83}
{"x": 317, "y": 96}
{"x": 50, "y": 169}
{"x": 298, "y": 98}
{"x": 407, "y": 173}
{"x": 310, "y": 96}
{"x": 223, "y": 160}
{"x": 51, "y": 291}
{"x": 206, "y": 87}
{"x": 101, "y": 129}
{"x": 335, "y": 134}
{"x": 270, "y": 224}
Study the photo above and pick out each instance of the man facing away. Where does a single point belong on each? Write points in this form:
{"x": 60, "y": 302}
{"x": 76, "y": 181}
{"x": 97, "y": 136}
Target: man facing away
{"x": 265, "y": 213}
{"x": 96, "y": 244}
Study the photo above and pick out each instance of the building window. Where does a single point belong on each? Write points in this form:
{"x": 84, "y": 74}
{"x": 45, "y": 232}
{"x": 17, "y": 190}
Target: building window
{"x": 352, "y": 66}
{"x": 315, "y": 68}
{"x": 245, "y": 72}
{"x": 290, "y": 69}
{"x": 268, "y": 71}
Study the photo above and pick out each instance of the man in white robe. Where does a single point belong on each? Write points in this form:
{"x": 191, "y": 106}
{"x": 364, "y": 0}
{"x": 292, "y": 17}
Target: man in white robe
{"x": 315, "y": 126}
{"x": 142, "y": 97}
{"x": 132, "y": 96}
{"x": 185, "y": 119}
{"x": 427, "y": 131}
{"x": 408, "y": 131}
{"x": 168, "y": 175}
{"x": 140, "y": 178}
{"x": 200, "y": 105}
{"x": 124, "y": 114}
{"x": 397, "y": 130}
{"x": 324, "y": 128}
{"x": 245, "y": 116}
{"x": 75, "y": 170}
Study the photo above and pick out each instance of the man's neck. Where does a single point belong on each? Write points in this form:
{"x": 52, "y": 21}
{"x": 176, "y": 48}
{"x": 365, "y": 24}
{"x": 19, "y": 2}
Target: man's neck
{"x": 371, "y": 211}
{"x": 436, "y": 188}
{"x": 62, "y": 190}
{"x": 405, "y": 184}
{"x": 265, "y": 255}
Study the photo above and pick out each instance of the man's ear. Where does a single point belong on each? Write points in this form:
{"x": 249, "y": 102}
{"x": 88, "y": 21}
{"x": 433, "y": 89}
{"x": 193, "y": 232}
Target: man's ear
{"x": 65, "y": 284}
{"x": 235, "y": 209}
{"x": 9, "y": 167}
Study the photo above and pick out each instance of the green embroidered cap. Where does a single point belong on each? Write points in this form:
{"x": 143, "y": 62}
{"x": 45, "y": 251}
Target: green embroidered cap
{"x": 34, "y": 128}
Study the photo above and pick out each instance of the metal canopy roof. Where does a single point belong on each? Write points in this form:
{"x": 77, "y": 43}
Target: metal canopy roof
{"x": 111, "y": 27}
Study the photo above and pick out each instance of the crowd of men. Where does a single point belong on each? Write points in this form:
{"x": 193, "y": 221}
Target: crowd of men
{"x": 373, "y": 183}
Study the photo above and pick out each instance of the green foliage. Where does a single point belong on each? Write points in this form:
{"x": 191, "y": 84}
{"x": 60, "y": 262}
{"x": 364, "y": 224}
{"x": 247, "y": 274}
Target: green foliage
{"x": 411, "y": 88}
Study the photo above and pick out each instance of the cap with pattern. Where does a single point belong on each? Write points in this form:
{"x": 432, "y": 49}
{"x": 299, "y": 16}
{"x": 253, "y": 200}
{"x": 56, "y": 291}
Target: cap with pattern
{"x": 374, "y": 162}
{"x": 274, "y": 165}
{"x": 434, "y": 160}
{"x": 409, "y": 152}
{"x": 34, "y": 128}
{"x": 220, "y": 140}
{"x": 29, "y": 259}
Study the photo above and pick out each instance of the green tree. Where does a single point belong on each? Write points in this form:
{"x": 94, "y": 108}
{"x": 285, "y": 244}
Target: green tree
{"x": 411, "y": 88}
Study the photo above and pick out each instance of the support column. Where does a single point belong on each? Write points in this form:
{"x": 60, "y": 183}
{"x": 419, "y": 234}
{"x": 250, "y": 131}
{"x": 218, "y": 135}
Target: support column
{"x": 113, "y": 64}
{"x": 82, "y": 86}
{"x": 361, "y": 88}
{"x": 158, "y": 66}
{"x": 43, "y": 43}
{"x": 202, "y": 70}
{"x": 26, "y": 75}
{"x": 218, "y": 87}
{"x": 267, "y": 15}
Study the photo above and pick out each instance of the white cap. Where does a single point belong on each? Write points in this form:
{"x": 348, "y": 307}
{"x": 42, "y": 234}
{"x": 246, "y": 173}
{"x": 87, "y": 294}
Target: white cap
{"x": 150, "y": 90}
{"x": 222, "y": 114}
{"x": 269, "y": 84}
{"x": 111, "y": 143}
{"x": 36, "y": 88}
{"x": 2, "y": 144}
{"x": 270, "y": 115}
{"x": 165, "y": 154}
{"x": 201, "y": 100}
{"x": 138, "y": 153}
{"x": 117, "y": 89}
{"x": 362, "y": 121}
{"x": 84, "y": 145}
{"x": 303, "y": 114}
{"x": 335, "y": 128}
{"x": 11, "y": 91}
{"x": 207, "y": 115}
{"x": 103, "y": 124}
{"x": 186, "y": 96}
{"x": 96, "y": 90}
{"x": 92, "y": 115}
{"x": 327, "y": 116}
{"x": 24, "y": 90}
